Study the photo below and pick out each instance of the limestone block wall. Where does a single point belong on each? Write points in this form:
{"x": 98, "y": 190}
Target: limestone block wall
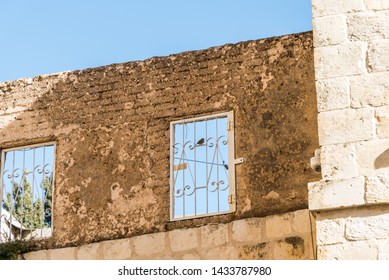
{"x": 111, "y": 129}
{"x": 351, "y": 50}
{"x": 284, "y": 237}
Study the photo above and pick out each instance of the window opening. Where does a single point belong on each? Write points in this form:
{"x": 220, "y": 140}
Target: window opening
{"x": 202, "y": 171}
{"x": 26, "y": 190}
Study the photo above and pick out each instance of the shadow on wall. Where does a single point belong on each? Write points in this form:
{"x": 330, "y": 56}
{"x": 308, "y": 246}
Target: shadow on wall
{"x": 382, "y": 161}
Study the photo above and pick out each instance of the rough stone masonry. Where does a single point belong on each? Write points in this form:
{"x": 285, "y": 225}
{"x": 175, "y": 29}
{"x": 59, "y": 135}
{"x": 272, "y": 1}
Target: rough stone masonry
{"x": 111, "y": 128}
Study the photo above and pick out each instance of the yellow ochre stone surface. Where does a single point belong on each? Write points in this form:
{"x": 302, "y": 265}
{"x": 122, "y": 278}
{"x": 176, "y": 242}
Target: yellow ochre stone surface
{"x": 111, "y": 129}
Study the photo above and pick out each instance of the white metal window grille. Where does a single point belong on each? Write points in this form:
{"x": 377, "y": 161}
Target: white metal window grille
{"x": 202, "y": 166}
{"x": 26, "y": 189}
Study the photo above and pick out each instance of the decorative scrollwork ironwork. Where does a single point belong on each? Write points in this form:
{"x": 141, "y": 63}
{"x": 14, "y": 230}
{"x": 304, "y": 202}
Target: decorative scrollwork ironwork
{"x": 225, "y": 141}
{"x": 184, "y": 191}
{"x": 13, "y": 174}
{"x": 27, "y": 186}
{"x": 217, "y": 185}
{"x": 211, "y": 142}
{"x": 200, "y": 164}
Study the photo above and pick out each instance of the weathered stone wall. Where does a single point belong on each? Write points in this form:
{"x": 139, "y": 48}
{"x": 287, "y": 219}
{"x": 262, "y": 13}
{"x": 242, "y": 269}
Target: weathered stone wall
{"x": 111, "y": 128}
{"x": 351, "y": 40}
{"x": 284, "y": 237}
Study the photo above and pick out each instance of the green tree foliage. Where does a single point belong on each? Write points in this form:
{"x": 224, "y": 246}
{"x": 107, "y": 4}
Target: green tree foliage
{"x": 47, "y": 187}
{"x": 11, "y": 250}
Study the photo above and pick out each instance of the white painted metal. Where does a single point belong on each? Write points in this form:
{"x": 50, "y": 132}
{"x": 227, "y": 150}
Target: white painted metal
{"x": 231, "y": 164}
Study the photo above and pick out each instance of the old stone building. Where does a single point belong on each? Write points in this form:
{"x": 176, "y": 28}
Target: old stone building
{"x": 352, "y": 84}
{"x": 111, "y": 131}
{"x": 206, "y": 154}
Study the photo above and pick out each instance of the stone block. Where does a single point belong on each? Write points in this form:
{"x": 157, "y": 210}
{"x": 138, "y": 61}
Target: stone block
{"x": 289, "y": 248}
{"x": 347, "y": 125}
{"x": 240, "y": 231}
{"x": 278, "y": 226}
{"x": 214, "y": 235}
{"x": 367, "y": 228}
{"x": 373, "y": 157}
{"x": 191, "y": 256}
{"x": 164, "y": 257}
{"x": 90, "y": 252}
{"x": 340, "y": 60}
{"x": 63, "y": 254}
{"x": 382, "y": 116}
{"x": 377, "y": 56}
{"x": 375, "y": 5}
{"x": 383, "y": 249}
{"x": 183, "y": 239}
{"x": 309, "y": 246}
{"x": 331, "y": 30}
{"x": 37, "y": 255}
{"x": 377, "y": 189}
{"x": 150, "y": 244}
{"x": 359, "y": 250}
{"x": 333, "y": 7}
{"x": 247, "y": 230}
{"x": 368, "y": 26}
{"x": 369, "y": 90}
{"x": 256, "y": 251}
{"x": 330, "y": 231}
{"x": 333, "y": 94}
{"x": 222, "y": 253}
{"x": 119, "y": 249}
{"x": 339, "y": 161}
{"x": 336, "y": 194}
{"x": 301, "y": 222}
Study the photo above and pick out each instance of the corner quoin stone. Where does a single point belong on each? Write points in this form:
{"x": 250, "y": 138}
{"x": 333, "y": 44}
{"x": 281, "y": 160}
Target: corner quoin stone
{"x": 347, "y": 125}
{"x": 377, "y": 188}
{"x": 359, "y": 250}
{"x": 339, "y": 161}
{"x": 329, "y": 30}
{"x": 340, "y": 60}
{"x": 333, "y": 94}
{"x": 333, "y": 7}
{"x": 336, "y": 194}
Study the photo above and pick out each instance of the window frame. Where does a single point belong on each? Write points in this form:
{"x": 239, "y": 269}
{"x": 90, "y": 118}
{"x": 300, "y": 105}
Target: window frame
{"x": 2, "y": 167}
{"x": 231, "y": 163}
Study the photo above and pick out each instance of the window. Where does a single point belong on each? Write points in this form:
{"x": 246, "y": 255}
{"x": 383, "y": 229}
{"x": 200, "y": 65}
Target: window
{"x": 26, "y": 188}
{"x": 202, "y": 171}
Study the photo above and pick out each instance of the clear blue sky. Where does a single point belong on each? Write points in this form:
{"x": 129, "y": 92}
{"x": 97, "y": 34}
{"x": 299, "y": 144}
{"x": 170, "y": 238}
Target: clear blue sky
{"x": 47, "y": 36}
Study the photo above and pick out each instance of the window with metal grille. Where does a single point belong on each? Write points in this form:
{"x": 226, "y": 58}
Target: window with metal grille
{"x": 26, "y": 189}
{"x": 202, "y": 171}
